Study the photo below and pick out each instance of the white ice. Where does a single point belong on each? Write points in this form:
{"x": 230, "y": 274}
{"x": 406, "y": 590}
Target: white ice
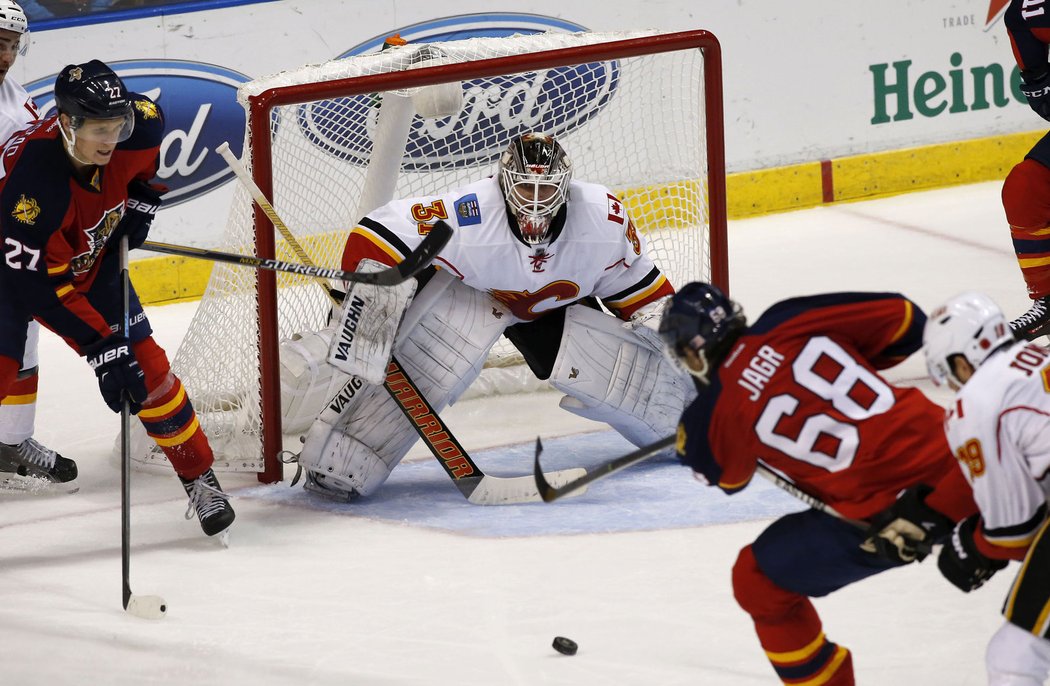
{"x": 420, "y": 587}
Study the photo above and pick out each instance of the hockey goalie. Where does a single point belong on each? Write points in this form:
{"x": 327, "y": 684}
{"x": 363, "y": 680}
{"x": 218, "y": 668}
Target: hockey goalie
{"x": 533, "y": 253}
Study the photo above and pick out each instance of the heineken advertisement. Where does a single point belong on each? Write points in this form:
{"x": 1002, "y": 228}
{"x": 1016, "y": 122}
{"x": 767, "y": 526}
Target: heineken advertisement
{"x": 903, "y": 90}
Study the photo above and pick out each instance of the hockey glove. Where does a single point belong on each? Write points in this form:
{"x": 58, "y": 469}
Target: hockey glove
{"x": 905, "y": 531}
{"x": 118, "y": 372}
{"x": 143, "y": 203}
{"x": 961, "y": 563}
{"x": 1036, "y": 87}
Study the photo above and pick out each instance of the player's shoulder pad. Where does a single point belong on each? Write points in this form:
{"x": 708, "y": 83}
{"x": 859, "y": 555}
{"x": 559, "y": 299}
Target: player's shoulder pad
{"x": 790, "y": 308}
{"x": 149, "y": 124}
{"x": 36, "y": 190}
{"x": 601, "y": 204}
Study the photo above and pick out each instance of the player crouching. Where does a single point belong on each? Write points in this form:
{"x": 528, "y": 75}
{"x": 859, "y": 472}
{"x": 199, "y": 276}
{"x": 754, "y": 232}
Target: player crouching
{"x": 533, "y": 255}
{"x": 74, "y": 186}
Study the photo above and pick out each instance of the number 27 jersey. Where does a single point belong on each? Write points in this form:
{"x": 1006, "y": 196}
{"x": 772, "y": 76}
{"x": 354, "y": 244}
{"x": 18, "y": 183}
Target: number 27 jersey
{"x": 800, "y": 392}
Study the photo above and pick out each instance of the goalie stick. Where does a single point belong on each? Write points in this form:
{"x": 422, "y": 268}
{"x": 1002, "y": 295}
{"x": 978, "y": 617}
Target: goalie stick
{"x": 145, "y": 606}
{"x": 476, "y": 486}
{"x": 415, "y": 262}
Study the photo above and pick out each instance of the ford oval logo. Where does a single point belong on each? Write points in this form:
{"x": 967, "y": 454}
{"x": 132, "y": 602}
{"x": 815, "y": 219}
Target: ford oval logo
{"x": 494, "y": 109}
{"x": 200, "y": 112}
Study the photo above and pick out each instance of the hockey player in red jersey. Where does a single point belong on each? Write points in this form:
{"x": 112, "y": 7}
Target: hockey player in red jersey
{"x": 73, "y": 185}
{"x": 1026, "y": 191}
{"x": 799, "y": 391}
{"x": 999, "y": 428}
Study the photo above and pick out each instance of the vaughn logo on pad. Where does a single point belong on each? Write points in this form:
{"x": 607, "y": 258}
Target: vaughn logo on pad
{"x": 494, "y": 109}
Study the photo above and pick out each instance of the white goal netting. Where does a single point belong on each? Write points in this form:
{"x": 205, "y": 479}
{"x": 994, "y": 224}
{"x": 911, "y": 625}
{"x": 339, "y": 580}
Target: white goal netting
{"x": 636, "y": 124}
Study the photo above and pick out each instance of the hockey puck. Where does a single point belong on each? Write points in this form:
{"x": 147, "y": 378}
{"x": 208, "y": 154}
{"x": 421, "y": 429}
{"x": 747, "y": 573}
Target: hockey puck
{"x": 565, "y": 646}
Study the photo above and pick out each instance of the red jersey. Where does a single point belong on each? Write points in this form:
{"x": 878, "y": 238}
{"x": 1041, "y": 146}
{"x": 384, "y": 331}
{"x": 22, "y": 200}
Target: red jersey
{"x": 799, "y": 391}
{"x": 56, "y": 224}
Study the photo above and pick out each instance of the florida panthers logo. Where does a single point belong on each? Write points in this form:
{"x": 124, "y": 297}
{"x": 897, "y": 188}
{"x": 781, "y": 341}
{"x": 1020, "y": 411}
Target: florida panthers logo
{"x": 96, "y": 238}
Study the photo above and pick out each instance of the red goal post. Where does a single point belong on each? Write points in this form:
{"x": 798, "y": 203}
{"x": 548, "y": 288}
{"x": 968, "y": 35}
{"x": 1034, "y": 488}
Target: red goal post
{"x": 312, "y": 105}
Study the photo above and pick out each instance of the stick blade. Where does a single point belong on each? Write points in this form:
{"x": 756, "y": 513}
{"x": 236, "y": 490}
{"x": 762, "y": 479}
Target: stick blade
{"x": 146, "y": 606}
{"x": 496, "y": 490}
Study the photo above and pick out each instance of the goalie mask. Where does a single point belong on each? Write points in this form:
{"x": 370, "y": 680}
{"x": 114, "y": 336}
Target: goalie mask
{"x": 534, "y": 174}
{"x": 13, "y": 18}
{"x": 700, "y": 319}
{"x": 97, "y": 103}
{"x": 971, "y": 325}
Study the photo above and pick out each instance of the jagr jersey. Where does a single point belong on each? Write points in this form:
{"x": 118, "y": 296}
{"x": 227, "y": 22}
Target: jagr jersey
{"x": 800, "y": 392}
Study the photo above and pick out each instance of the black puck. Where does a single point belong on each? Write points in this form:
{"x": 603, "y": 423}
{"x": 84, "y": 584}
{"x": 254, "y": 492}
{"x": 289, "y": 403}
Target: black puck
{"x": 565, "y": 646}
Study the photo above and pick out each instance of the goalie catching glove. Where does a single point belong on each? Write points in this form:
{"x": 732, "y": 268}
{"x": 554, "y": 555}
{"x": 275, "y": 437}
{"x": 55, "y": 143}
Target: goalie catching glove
{"x": 905, "y": 531}
{"x": 368, "y": 323}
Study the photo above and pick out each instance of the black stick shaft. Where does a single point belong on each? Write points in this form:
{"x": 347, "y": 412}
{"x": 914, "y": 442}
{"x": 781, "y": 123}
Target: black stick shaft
{"x": 125, "y": 438}
{"x": 416, "y": 261}
{"x": 550, "y": 493}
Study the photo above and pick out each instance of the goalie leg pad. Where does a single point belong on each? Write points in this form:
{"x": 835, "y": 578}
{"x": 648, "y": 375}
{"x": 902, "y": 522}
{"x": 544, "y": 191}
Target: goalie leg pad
{"x": 611, "y": 374}
{"x": 361, "y": 434}
{"x": 307, "y": 380}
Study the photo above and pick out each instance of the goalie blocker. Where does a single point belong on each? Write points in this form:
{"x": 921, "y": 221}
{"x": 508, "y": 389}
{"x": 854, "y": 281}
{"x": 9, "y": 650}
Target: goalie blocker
{"x": 609, "y": 372}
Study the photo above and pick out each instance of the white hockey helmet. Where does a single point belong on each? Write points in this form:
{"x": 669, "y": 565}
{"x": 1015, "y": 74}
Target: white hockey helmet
{"x": 534, "y": 173}
{"x": 13, "y": 18}
{"x": 971, "y": 325}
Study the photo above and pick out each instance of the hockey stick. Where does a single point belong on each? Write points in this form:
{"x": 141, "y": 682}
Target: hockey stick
{"x": 414, "y": 263}
{"x": 550, "y": 492}
{"x": 813, "y": 501}
{"x": 476, "y": 486}
{"x": 145, "y": 606}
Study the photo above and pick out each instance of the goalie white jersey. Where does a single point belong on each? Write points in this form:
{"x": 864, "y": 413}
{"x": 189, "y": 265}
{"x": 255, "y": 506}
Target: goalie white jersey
{"x": 595, "y": 249}
{"x": 999, "y": 429}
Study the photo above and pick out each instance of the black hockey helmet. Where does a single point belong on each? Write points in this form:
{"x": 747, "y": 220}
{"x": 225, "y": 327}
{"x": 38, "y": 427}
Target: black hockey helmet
{"x": 93, "y": 91}
{"x": 702, "y": 319}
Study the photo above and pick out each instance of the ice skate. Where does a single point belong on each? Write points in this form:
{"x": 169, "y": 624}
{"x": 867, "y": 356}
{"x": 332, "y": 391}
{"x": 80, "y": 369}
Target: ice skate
{"x": 30, "y": 466}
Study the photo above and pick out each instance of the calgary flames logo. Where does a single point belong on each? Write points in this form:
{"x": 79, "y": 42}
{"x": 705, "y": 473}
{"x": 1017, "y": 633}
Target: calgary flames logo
{"x": 26, "y": 210}
{"x": 524, "y": 304}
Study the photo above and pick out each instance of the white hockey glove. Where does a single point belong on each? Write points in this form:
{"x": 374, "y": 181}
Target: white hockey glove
{"x": 368, "y": 325}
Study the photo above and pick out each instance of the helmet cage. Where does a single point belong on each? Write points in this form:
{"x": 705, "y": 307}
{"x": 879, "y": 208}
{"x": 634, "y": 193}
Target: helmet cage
{"x": 534, "y": 175}
{"x": 970, "y": 325}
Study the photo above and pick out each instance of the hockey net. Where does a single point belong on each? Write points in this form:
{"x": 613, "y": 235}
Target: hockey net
{"x": 638, "y": 112}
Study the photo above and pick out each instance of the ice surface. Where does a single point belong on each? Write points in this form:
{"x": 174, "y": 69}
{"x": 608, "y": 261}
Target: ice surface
{"x": 418, "y": 587}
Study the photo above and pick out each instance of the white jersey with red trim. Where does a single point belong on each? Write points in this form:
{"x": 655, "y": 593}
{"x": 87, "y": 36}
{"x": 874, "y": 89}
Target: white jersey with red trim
{"x": 999, "y": 429}
{"x": 596, "y": 250}
{"x": 17, "y": 109}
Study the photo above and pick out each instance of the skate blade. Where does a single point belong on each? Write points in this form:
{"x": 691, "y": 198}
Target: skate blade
{"x": 31, "y": 485}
